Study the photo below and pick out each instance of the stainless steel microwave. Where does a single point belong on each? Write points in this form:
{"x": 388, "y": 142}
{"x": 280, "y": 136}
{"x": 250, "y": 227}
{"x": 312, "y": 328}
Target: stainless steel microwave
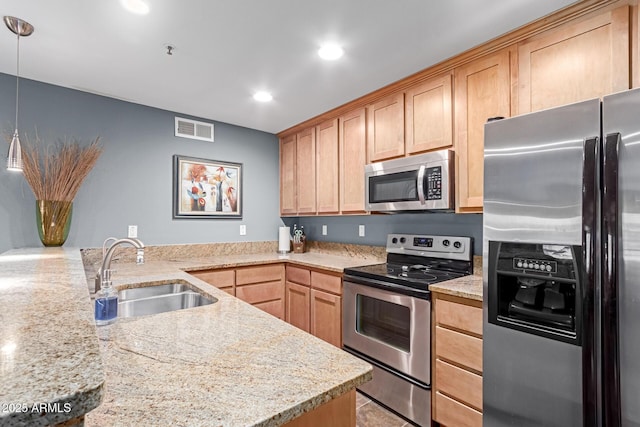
{"x": 416, "y": 183}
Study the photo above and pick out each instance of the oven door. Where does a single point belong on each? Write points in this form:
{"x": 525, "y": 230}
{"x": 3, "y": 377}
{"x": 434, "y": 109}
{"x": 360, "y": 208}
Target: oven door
{"x": 389, "y": 327}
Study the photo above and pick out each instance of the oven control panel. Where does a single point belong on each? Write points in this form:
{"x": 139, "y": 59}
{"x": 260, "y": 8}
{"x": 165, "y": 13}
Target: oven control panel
{"x": 451, "y": 247}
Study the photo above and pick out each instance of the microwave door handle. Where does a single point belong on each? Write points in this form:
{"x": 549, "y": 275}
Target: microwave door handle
{"x": 421, "y": 185}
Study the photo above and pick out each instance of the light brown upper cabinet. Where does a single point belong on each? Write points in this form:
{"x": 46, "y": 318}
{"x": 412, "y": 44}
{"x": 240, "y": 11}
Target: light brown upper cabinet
{"x": 306, "y": 171}
{"x": 482, "y": 91}
{"x": 327, "y": 170}
{"x": 385, "y": 133}
{"x": 429, "y": 115}
{"x": 575, "y": 62}
{"x": 352, "y": 157}
{"x": 288, "y": 205}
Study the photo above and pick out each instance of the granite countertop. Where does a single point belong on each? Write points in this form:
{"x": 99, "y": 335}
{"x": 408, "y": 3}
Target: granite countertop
{"x": 49, "y": 351}
{"x": 327, "y": 262}
{"x": 469, "y": 287}
{"x": 227, "y": 364}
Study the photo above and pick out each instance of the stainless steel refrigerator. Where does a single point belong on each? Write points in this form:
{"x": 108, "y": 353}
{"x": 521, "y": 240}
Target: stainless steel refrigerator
{"x": 561, "y": 247}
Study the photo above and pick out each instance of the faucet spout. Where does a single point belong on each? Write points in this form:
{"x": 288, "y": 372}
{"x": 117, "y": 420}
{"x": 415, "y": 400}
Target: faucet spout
{"x": 103, "y": 278}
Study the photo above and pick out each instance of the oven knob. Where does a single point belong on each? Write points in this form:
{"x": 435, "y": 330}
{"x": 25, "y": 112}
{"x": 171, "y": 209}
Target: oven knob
{"x": 530, "y": 265}
{"x": 445, "y": 243}
{"x": 548, "y": 268}
{"x": 457, "y": 245}
{"x": 402, "y": 240}
{"x": 536, "y": 266}
{"x": 394, "y": 240}
{"x": 519, "y": 264}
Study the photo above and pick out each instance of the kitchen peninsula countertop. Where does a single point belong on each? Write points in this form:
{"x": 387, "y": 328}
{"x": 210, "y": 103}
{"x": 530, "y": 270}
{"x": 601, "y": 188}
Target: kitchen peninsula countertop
{"x": 50, "y": 364}
{"x": 227, "y": 364}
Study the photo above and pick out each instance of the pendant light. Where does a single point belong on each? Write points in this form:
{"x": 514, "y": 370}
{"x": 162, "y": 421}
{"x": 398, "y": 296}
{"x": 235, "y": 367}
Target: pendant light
{"x": 24, "y": 29}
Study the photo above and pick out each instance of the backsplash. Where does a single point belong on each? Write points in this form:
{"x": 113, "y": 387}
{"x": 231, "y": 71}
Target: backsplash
{"x": 92, "y": 257}
{"x": 345, "y": 228}
{"x": 348, "y": 250}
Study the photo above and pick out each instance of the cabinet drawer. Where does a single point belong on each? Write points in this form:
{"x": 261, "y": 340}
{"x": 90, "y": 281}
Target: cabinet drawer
{"x": 229, "y": 289}
{"x": 459, "y": 348}
{"x": 459, "y": 316}
{"x": 217, "y": 278}
{"x": 261, "y": 292}
{"x": 274, "y": 308}
{"x": 265, "y": 273}
{"x": 464, "y": 385}
{"x": 326, "y": 282}
{"x": 298, "y": 275}
{"x": 452, "y": 413}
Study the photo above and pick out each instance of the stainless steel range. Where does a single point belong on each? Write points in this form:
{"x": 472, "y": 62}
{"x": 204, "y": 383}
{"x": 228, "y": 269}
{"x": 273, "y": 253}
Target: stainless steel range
{"x": 387, "y": 317}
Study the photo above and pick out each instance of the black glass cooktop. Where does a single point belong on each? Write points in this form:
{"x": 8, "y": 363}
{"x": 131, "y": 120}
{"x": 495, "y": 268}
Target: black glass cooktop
{"x": 417, "y": 276}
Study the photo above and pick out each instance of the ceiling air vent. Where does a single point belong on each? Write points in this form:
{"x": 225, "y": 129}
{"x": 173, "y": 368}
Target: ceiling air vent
{"x": 187, "y": 128}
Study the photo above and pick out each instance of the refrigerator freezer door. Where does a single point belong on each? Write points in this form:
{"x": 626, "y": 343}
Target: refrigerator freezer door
{"x": 533, "y": 194}
{"x": 621, "y": 114}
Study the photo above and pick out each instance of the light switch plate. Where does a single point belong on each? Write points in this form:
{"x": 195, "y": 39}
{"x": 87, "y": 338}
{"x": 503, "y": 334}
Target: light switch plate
{"x": 243, "y": 230}
{"x": 133, "y": 231}
{"x": 324, "y": 230}
{"x": 361, "y": 230}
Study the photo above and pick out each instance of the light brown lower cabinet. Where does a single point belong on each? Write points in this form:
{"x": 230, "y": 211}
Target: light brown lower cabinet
{"x": 297, "y": 305}
{"x": 457, "y": 365}
{"x": 339, "y": 412}
{"x": 261, "y": 286}
{"x": 222, "y": 279}
{"x": 314, "y": 302}
{"x": 308, "y": 299}
{"x": 326, "y": 317}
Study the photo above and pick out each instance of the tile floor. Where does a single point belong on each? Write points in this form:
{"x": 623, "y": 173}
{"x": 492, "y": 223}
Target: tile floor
{"x": 370, "y": 414}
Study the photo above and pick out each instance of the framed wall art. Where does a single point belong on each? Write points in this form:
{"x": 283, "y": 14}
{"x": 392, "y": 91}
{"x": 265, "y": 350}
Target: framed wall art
{"x": 206, "y": 188}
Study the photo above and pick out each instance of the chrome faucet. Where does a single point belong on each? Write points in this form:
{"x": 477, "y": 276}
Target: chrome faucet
{"x": 103, "y": 277}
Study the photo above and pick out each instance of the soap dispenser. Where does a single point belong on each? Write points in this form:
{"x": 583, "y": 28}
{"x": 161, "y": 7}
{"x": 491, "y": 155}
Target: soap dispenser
{"x": 106, "y": 305}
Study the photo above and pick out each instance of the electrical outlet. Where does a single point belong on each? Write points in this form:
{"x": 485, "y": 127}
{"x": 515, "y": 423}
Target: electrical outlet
{"x": 243, "y": 230}
{"x": 324, "y": 230}
{"x": 361, "y": 230}
{"x": 133, "y": 231}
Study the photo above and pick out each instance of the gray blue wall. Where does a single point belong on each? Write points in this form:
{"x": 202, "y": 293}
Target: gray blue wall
{"x": 131, "y": 183}
{"x": 345, "y": 228}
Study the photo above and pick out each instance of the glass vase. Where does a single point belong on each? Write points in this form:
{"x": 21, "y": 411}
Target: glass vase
{"x": 54, "y": 219}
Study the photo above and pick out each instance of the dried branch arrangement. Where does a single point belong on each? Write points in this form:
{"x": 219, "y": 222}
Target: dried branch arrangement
{"x": 55, "y": 172}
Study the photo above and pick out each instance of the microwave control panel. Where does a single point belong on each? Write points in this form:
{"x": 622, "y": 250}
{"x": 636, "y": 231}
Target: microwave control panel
{"x": 433, "y": 176}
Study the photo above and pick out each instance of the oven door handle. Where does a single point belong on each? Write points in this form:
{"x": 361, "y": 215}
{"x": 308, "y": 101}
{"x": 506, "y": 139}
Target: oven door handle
{"x": 421, "y": 184}
{"x": 389, "y": 287}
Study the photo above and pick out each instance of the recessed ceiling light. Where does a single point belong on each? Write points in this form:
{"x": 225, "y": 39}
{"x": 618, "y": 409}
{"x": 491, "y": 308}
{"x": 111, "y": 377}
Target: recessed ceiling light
{"x": 262, "y": 96}
{"x": 330, "y": 52}
{"x": 139, "y": 7}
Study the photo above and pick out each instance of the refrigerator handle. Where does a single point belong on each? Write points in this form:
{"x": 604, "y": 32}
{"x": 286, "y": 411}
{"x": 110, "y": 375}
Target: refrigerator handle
{"x": 590, "y": 189}
{"x": 610, "y": 358}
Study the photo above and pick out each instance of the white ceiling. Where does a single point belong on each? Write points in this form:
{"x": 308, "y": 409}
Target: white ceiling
{"x": 225, "y": 50}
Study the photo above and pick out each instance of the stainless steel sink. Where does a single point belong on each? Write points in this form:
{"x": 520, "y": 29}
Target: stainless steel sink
{"x": 159, "y": 299}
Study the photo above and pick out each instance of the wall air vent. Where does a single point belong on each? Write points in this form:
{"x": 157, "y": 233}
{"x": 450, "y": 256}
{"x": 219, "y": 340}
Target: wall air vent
{"x": 187, "y": 128}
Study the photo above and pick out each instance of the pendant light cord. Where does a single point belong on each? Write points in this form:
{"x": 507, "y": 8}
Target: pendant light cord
{"x": 17, "y": 76}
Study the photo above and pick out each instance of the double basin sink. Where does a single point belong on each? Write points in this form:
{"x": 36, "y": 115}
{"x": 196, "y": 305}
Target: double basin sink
{"x": 155, "y": 299}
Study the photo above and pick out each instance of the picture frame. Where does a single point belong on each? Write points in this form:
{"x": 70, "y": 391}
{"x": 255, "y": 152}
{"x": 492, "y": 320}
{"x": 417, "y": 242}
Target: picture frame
{"x": 204, "y": 188}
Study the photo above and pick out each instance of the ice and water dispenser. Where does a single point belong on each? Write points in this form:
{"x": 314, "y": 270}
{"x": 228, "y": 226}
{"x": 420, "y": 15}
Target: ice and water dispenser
{"x": 535, "y": 288}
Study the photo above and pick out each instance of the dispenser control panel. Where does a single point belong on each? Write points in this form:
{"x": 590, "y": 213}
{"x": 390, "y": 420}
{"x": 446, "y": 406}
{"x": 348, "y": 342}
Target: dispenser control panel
{"x": 544, "y": 266}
